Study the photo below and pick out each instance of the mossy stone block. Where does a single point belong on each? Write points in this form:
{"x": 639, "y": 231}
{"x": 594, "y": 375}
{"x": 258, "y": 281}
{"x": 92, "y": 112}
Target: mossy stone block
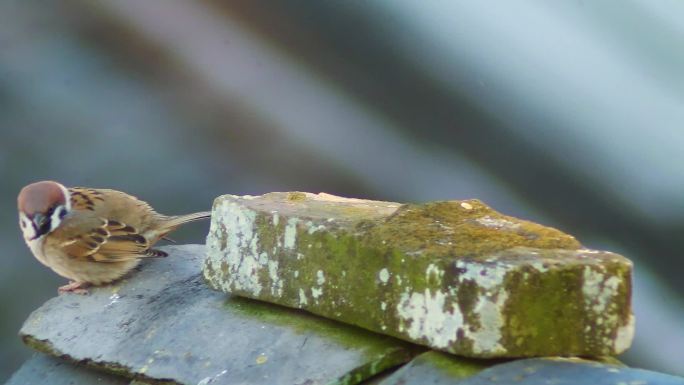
{"x": 456, "y": 276}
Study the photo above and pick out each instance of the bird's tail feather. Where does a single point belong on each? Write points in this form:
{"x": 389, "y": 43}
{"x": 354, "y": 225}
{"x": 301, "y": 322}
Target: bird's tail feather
{"x": 170, "y": 223}
{"x": 178, "y": 220}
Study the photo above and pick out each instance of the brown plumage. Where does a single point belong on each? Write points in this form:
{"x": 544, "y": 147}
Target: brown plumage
{"x": 91, "y": 236}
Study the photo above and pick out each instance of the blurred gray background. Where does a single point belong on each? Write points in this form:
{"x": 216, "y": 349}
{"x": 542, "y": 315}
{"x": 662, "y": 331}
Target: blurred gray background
{"x": 566, "y": 113}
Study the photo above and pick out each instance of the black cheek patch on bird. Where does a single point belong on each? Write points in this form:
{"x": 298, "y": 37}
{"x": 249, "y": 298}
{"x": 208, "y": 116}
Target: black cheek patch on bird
{"x": 46, "y": 225}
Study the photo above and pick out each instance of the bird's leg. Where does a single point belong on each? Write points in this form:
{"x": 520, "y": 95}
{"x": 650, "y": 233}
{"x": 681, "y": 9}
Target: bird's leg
{"x": 74, "y": 287}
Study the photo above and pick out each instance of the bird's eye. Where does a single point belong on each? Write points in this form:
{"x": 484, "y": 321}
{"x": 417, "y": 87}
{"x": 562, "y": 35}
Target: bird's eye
{"x": 23, "y": 224}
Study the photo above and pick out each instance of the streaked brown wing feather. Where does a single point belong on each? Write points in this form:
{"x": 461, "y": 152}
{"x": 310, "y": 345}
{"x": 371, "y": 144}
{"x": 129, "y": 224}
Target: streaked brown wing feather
{"x": 118, "y": 232}
{"x": 85, "y": 198}
{"x": 112, "y": 241}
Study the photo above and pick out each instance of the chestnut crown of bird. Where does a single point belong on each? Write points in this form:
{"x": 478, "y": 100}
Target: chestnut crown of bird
{"x": 91, "y": 236}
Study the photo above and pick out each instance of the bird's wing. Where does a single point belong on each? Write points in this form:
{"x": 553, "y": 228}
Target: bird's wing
{"x": 111, "y": 241}
{"x": 112, "y": 232}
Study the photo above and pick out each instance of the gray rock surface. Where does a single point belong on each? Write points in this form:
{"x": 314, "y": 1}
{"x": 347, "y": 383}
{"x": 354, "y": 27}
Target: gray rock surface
{"x": 435, "y": 369}
{"x": 566, "y": 371}
{"x": 164, "y": 323}
{"x": 41, "y": 369}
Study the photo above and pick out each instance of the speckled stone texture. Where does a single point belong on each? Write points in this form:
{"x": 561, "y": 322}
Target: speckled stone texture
{"x": 440, "y": 369}
{"x": 456, "y": 276}
{"x": 42, "y": 369}
{"x": 163, "y": 325}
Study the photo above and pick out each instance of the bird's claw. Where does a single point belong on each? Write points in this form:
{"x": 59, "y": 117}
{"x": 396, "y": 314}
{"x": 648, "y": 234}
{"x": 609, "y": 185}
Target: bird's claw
{"x": 74, "y": 287}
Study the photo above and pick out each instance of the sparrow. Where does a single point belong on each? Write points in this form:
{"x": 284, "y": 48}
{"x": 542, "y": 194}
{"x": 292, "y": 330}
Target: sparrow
{"x": 91, "y": 236}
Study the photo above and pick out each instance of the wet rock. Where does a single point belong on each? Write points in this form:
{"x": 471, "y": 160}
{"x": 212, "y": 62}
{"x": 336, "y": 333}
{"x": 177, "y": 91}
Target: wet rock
{"x": 456, "y": 276}
{"x": 437, "y": 369}
{"x": 164, "y": 324}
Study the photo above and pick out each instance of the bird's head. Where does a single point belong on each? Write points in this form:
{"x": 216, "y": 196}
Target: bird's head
{"x": 42, "y": 206}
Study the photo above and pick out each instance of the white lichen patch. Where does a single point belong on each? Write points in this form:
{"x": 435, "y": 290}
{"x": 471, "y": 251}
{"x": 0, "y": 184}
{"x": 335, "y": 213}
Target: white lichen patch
{"x": 486, "y": 276}
{"x": 599, "y": 291}
{"x": 316, "y": 292}
{"x": 276, "y": 218}
{"x": 489, "y": 278}
{"x": 466, "y": 205}
{"x": 600, "y": 294}
{"x": 428, "y": 319}
{"x": 274, "y": 276}
{"x": 624, "y": 337}
{"x": 233, "y": 241}
{"x": 313, "y": 228}
{"x": 487, "y": 339}
{"x": 384, "y": 275}
{"x": 434, "y": 273}
{"x": 290, "y": 234}
{"x": 433, "y": 315}
{"x": 303, "y": 301}
{"x": 497, "y": 223}
{"x": 539, "y": 266}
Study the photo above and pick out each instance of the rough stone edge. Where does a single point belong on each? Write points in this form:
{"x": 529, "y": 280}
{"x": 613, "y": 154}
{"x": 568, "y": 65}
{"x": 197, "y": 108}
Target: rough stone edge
{"x": 46, "y": 347}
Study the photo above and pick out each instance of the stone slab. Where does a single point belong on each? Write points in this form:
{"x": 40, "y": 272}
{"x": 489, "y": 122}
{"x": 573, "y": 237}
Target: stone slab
{"x": 42, "y": 369}
{"x": 164, "y": 323}
{"x": 566, "y": 371}
{"x": 436, "y": 368}
{"x": 441, "y": 369}
{"x": 456, "y": 276}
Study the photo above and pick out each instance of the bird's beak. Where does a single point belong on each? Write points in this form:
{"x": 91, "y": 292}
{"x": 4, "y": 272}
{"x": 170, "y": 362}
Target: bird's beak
{"x": 39, "y": 220}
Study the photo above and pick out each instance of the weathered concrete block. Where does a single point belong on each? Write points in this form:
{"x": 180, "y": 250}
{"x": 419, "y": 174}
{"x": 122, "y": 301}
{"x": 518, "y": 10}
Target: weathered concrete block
{"x": 456, "y": 276}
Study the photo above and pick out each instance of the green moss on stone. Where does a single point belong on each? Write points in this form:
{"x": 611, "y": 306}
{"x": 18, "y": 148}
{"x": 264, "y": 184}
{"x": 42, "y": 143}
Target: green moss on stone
{"x": 381, "y": 352}
{"x": 464, "y": 228}
{"x": 296, "y": 196}
{"x": 456, "y": 275}
{"x": 455, "y": 367}
{"x": 375, "y": 345}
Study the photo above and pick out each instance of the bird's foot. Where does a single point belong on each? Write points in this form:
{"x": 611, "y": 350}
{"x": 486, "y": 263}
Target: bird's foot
{"x": 74, "y": 287}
